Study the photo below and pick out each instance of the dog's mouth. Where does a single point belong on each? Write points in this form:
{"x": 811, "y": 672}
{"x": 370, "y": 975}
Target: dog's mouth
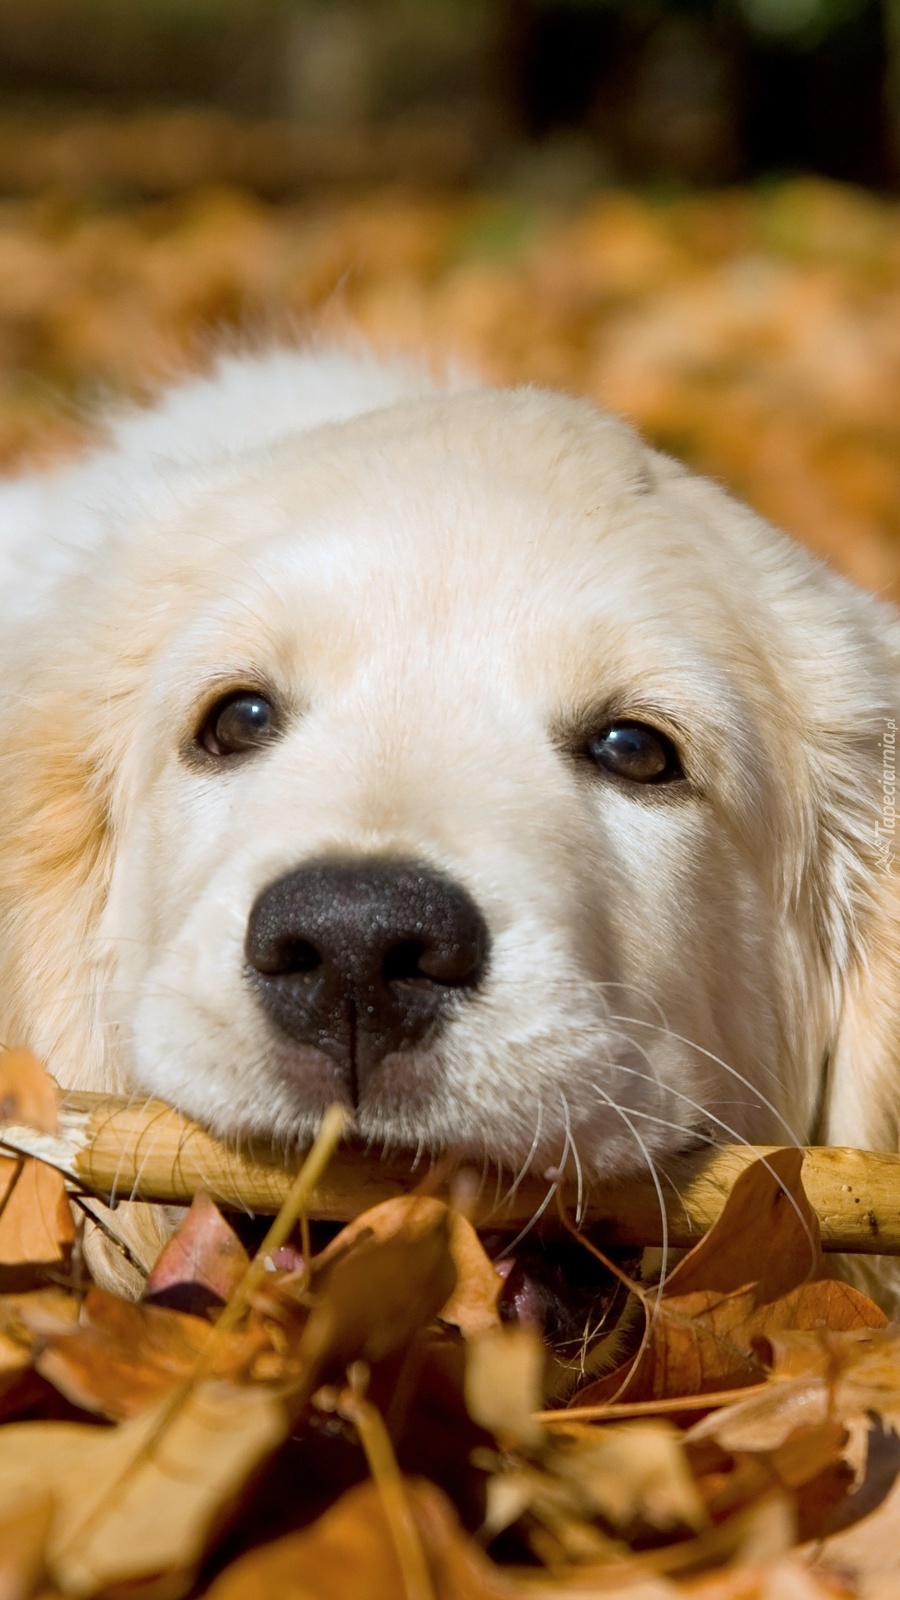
{"x": 548, "y": 1282}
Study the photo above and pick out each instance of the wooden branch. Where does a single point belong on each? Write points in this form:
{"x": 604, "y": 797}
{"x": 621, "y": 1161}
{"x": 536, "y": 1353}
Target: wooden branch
{"x": 109, "y": 1147}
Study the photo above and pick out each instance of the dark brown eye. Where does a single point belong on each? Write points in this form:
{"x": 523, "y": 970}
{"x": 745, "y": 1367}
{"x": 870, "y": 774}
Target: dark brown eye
{"x": 635, "y": 752}
{"x": 241, "y": 721}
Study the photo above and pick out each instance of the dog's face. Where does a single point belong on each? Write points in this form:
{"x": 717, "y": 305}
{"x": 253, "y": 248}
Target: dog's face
{"x": 473, "y": 766}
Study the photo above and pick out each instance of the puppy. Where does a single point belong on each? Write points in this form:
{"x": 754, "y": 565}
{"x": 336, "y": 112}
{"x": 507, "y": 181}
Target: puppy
{"x": 450, "y": 754}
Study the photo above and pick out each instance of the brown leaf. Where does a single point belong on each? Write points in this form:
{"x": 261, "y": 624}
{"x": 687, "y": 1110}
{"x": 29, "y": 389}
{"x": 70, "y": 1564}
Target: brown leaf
{"x": 36, "y": 1227}
{"x": 733, "y": 1290}
{"x": 23, "y": 1541}
{"x": 124, "y": 1356}
{"x": 504, "y": 1384}
{"x": 350, "y": 1552}
{"x": 27, "y": 1092}
{"x": 26, "y": 1320}
{"x": 201, "y": 1265}
{"x": 141, "y": 1498}
{"x": 818, "y": 1374}
{"x": 767, "y": 1235}
{"x": 472, "y": 1305}
{"x": 371, "y": 1299}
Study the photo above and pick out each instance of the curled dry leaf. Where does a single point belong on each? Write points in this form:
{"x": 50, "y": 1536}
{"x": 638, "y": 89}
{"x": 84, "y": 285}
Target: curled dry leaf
{"x": 201, "y": 1265}
{"x": 757, "y": 1271}
{"x": 349, "y": 1551}
{"x": 817, "y": 1375}
{"x": 23, "y": 1541}
{"x": 122, "y": 1357}
{"x": 27, "y": 1092}
{"x": 504, "y": 1384}
{"x": 472, "y": 1304}
{"x": 362, "y": 1305}
{"x": 36, "y": 1227}
{"x": 141, "y": 1499}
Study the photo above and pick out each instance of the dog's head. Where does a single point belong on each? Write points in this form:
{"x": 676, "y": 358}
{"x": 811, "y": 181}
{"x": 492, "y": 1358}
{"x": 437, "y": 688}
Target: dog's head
{"x": 472, "y": 765}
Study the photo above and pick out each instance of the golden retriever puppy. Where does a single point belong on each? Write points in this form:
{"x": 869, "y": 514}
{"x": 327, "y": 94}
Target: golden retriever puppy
{"x": 449, "y": 754}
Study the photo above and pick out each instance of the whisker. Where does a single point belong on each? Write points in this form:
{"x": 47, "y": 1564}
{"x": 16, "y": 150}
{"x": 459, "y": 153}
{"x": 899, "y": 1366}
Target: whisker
{"x": 651, "y": 1167}
{"x": 526, "y": 1164}
{"x": 733, "y": 1135}
{"x": 717, "y": 1061}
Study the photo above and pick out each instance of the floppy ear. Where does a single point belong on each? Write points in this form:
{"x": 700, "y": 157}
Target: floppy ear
{"x": 54, "y": 867}
{"x": 855, "y": 876}
{"x": 836, "y": 670}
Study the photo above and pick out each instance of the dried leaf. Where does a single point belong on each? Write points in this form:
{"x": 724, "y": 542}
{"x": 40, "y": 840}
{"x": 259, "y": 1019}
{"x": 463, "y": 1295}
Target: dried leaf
{"x": 472, "y": 1305}
{"x": 733, "y": 1290}
{"x": 23, "y": 1541}
{"x": 27, "y": 1092}
{"x": 363, "y": 1308}
{"x": 201, "y": 1265}
{"x": 504, "y": 1384}
{"x": 139, "y": 1499}
{"x": 767, "y": 1235}
{"x": 349, "y": 1552}
{"x": 124, "y": 1356}
{"x": 36, "y": 1227}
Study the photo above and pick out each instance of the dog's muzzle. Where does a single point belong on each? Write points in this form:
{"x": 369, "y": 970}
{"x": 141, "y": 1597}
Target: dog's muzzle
{"x": 361, "y": 959}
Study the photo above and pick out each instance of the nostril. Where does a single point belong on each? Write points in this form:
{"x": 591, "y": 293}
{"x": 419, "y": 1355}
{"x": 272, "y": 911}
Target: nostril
{"x": 286, "y": 957}
{"x": 413, "y": 961}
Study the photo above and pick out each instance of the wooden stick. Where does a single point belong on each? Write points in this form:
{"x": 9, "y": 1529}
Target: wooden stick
{"x": 107, "y": 1146}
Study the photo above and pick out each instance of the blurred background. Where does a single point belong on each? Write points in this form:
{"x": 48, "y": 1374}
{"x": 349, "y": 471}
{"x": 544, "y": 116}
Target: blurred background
{"x": 687, "y": 209}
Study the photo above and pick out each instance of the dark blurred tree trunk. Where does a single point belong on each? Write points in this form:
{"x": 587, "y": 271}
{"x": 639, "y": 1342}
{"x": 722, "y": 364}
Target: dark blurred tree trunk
{"x": 687, "y": 89}
{"x": 823, "y": 109}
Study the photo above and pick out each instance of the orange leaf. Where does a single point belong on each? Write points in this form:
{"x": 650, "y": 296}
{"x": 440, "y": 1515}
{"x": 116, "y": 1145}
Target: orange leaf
{"x": 735, "y": 1288}
{"x": 201, "y": 1265}
{"x": 349, "y": 1552}
{"x": 123, "y": 1356}
{"x": 27, "y": 1092}
{"x": 36, "y": 1227}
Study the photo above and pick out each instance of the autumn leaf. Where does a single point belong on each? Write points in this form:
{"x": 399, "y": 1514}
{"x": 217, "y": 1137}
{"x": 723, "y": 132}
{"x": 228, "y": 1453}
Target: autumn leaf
{"x": 142, "y": 1498}
{"x": 36, "y": 1226}
{"x": 27, "y": 1092}
{"x": 202, "y": 1264}
{"x": 349, "y": 1551}
{"x": 122, "y": 1357}
{"x": 362, "y": 1308}
{"x": 757, "y": 1271}
{"x": 23, "y": 1541}
{"x": 472, "y": 1304}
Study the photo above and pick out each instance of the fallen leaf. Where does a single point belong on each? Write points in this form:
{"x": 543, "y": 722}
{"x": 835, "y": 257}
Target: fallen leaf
{"x": 201, "y": 1265}
{"x": 23, "y": 1542}
{"x": 504, "y": 1384}
{"x": 349, "y": 1552}
{"x": 123, "y": 1356}
{"x": 36, "y": 1226}
{"x": 472, "y": 1304}
{"x": 362, "y": 1307}
{"x": 767, "y": 1235}
{"x": 142, "y": 1498}
{"x": 733, "y": 1290}
{"x": 27, "y": 1092}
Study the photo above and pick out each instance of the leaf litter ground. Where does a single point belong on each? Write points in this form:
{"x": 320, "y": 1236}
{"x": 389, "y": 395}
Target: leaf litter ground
{"x": 361, "y": 1421}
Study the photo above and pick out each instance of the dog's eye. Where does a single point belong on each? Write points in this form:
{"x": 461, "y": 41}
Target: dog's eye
{"x": 241, "y": 721}
{"x": 633, "y": 751}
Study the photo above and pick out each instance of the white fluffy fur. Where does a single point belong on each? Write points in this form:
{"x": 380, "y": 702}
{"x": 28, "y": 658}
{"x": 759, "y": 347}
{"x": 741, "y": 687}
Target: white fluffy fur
{"x": 440, "y": 586}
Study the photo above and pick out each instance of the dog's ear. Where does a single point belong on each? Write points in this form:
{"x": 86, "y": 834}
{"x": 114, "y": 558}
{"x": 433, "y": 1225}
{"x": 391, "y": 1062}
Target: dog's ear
{"x": 54, "y": 867}
{"x": 835, "y": 668}
{"x": 854, "y": 874}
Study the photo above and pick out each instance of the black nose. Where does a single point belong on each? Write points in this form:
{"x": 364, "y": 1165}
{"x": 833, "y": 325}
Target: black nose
{"x": 360, "y": 959}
